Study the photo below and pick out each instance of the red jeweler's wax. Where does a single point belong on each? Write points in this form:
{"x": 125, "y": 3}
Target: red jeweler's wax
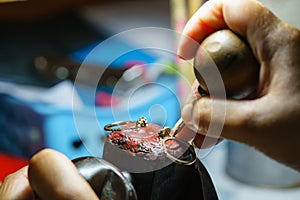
{"x": 137, "y": 140}
{"x": 142, "y": 140}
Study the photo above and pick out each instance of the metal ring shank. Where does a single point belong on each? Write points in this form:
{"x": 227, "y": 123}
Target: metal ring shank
{"x": 109, "y": 127}
{"x": 178, "y": 160}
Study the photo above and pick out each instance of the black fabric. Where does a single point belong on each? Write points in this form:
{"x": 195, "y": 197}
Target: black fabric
{"x": 175, "y": 182}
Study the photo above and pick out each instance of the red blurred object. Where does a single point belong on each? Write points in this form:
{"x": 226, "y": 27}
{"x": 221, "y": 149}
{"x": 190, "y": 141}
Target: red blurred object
{"x": 106, "y": 99}
{"x": 10, "y": 164}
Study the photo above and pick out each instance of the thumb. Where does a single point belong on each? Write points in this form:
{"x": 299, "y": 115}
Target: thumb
{"x": 241, "y": 16}
{"x": 53, "y": 176}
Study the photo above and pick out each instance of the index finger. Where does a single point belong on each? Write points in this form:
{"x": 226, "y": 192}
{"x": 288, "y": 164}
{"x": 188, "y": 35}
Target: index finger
{"x": 238, "y": 15}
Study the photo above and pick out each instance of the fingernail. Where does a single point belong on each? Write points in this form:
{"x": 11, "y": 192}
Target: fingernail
{"x": 187, "y": 115}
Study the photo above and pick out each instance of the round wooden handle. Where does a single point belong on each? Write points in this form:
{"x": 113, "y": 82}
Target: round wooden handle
{"x": 234, "y": 59}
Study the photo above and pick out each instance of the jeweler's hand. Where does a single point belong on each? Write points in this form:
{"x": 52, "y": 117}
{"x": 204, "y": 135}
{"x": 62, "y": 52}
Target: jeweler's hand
{"x": 269, "y": 122}
{"x": 50, "y": 175}
{"x": 16, "y": 186}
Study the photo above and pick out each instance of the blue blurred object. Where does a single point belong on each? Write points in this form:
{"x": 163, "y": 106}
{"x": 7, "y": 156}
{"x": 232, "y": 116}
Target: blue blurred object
{"x": 20, "y": 128}
{"x": 26, "y": 126}
{"x": 115, "y": 49}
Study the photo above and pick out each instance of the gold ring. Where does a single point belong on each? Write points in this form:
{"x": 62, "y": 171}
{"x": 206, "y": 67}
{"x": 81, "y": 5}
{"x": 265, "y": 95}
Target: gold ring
{"x": 141, "y": 122}
{"x": 188, "y": 157}
{"x": 109, "y": 127}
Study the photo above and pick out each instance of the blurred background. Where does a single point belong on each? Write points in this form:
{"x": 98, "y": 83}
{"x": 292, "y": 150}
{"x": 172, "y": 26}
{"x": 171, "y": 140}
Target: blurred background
{"x": 51, "y": 94}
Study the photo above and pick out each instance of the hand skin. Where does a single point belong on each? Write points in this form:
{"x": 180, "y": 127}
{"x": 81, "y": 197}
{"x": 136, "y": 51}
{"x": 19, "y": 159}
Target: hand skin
{"x": 50, "y": 175}
{"x": 270, "y": 121}
{"x": 16, "y": 186}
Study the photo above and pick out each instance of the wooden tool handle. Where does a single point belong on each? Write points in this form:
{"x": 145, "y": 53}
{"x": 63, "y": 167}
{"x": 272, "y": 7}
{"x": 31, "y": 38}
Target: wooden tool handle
{"x": 234, "y": 59}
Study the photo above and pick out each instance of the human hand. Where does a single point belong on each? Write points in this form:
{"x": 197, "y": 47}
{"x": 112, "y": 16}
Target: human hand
{"x": 269, "y": 122}
{"x": 50, "y": 175}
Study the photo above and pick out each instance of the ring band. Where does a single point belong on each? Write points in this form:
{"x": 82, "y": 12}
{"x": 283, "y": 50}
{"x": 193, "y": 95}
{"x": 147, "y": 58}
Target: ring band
{"x": 178, "y": 160}
{"x": 141, "y": 122}
{"x": 109, "y": 127}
